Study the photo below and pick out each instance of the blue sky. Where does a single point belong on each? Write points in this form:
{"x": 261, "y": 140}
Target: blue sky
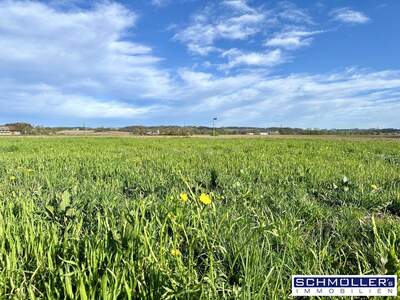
{"x": 259, "y": 63}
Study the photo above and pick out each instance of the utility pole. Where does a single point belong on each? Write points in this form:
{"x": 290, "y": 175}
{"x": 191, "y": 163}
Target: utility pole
{"x": 214, "y": 119}
{"x": 84, "y": 128}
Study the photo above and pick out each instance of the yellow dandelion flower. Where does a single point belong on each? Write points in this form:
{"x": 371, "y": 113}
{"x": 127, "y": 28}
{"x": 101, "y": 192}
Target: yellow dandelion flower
{"x": 205, "y": 199}
{"x": 184, "y": 197}
{"x": 175, "y": 252}
{"x": 29, "y": 170}
{"x": 374, "y": 187}
{"x": 12, "y": 178}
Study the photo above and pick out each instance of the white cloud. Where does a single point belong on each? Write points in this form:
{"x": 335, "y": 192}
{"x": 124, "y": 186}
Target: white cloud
{"x": 348, "y": 15}
{"x": 164, "y": 3}
{"x": 215, "y": 23}
{"x": 236, "y": 20}
{"x": 351, "y": 98}
{"x": 289, "y": 12}
{"x": 239, "y": 6}
{"x": 294, "y": 27}
{"x": 48, "y": 101}
{"x": 292, "y": 39}
{"x": 83, "y": 55}
{"x": 254, "y": 59}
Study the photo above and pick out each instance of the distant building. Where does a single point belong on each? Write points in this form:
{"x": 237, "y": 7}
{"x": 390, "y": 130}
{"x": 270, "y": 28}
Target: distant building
{"x": 269, "y": 133}
{"x": 156, "y": 132}
{"x": 6, "y": 130}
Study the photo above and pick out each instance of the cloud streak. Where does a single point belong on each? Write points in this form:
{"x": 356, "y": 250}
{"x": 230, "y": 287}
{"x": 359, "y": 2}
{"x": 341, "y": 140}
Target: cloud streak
{"x": 347, "y": 15}
{"x": 253, "y": 59}
{"x": 292, "y": 39}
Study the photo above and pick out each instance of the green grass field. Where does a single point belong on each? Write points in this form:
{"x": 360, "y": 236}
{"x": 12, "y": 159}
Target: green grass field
{"x": 105, "y": 218}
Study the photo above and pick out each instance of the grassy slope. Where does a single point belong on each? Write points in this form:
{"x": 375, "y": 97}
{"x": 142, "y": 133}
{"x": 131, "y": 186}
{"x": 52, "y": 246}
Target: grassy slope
{"x": 99, "y": 217}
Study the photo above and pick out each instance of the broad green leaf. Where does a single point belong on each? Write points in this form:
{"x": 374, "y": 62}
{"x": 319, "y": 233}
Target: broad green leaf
{"x": 65, "y": 201}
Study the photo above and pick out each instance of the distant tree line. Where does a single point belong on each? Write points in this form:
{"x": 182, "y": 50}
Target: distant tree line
{"x": 28, "y": 129}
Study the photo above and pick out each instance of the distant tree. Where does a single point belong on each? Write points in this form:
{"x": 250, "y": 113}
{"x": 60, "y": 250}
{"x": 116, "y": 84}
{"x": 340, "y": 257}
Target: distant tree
{"x": 24, "y": 128}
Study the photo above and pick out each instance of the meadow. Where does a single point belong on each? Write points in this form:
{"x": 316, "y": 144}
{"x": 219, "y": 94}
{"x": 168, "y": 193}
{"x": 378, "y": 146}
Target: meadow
{"x": 193, "y": 218}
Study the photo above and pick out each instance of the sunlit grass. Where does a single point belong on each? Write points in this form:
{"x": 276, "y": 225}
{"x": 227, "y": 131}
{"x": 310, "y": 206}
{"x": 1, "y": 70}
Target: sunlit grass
{"x": 108, "y": 218}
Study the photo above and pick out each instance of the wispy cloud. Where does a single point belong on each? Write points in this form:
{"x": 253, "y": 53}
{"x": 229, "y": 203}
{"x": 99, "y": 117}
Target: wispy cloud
{"x": 238, "y": 5}
{"x": 287, "y": 27}
{"x": 81, "y": 56}
{"x": 165, "y": 3}
{"x": 254, "y": 59}
{"x": 159, "y": 2}
{"x": 349, "y": 98}
{"x": 49, "y": 100}
{"x": 292, "y": 39}
{"x": 288, "y": 12}
{"x": 348, "y": 15}
{"x": 215, "y": 22}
